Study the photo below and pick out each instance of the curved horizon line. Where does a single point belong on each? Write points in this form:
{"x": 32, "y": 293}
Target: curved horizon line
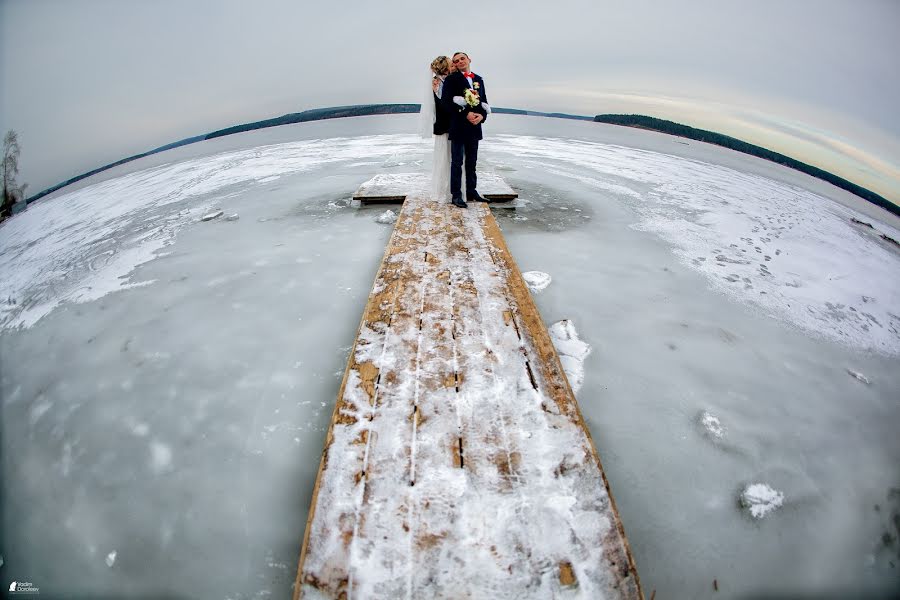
{"x": 361, "y": 110}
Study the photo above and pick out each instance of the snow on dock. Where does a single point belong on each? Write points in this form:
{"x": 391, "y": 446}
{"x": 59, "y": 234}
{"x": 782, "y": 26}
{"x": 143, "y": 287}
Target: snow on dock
{"x": 393, "y": 187}
{"x": 457, "y": 463}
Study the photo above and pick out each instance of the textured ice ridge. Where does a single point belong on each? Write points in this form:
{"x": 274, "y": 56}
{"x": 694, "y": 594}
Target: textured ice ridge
{"x": 572, "y": 351}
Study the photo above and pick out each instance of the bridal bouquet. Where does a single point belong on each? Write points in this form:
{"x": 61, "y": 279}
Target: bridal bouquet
{"x": 471, "y": 97}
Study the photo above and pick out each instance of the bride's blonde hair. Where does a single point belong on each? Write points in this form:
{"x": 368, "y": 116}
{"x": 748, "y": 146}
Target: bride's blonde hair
{"x": 440, "y": 65}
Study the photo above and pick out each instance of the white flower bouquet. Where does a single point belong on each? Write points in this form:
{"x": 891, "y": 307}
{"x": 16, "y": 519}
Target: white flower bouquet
{"x": 472, "y": 98}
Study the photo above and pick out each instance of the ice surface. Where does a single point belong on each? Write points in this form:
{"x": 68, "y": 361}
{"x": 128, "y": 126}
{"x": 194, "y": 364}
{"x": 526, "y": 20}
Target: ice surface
{"x": 93, "y": 238}
{"x": 536, "y": 280}
{"x": 760, "y": 499}
{"x": 166, "y": 383}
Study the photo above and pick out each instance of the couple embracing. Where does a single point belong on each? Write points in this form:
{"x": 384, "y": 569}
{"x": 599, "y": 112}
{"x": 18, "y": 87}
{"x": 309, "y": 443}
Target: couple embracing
{"x": 455, "y": 109}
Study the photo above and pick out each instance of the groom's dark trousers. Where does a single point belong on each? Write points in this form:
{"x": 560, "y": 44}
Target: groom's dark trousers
{"x": 464, "y": 136}
{"x": 458, "y": 149}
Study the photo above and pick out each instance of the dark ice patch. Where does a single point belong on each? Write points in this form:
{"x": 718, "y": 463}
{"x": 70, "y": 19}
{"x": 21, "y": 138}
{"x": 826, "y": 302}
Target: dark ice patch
{"x": 547, "y": 209}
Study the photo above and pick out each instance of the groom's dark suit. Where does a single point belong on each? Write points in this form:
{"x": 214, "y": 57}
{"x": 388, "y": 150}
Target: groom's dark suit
{"x": 464, "y": 136}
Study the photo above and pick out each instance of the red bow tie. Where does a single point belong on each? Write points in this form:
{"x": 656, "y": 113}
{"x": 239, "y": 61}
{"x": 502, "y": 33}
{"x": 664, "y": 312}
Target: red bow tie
{"x": 469, "y": 75}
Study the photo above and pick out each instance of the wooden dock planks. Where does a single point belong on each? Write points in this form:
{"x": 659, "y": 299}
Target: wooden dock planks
{"x": 457, "y": 463}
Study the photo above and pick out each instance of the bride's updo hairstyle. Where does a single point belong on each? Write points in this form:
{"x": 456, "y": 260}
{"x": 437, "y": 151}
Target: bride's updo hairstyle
{"x": 440, "y": 66}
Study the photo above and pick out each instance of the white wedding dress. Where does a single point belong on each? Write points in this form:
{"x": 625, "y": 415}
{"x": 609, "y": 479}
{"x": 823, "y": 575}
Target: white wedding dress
{"x": 440, "y": 165}
{"x": 440, "y": 169}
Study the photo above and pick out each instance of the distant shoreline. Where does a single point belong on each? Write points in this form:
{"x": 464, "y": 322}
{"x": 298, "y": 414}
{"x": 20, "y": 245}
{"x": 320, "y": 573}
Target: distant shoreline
{"x": 711, "y": 137}
{"x": 634, "y": 121}
{"x": 316, "y": 114}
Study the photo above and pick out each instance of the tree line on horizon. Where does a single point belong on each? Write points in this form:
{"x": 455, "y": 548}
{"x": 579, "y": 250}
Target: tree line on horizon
{"x": 639, "y": 121}
{"x": 315, "y": 114}
{"x": 711, "y": 137}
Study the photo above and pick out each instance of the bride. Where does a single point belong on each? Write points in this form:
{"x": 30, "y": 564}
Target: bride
{"x": 435, "y": 121}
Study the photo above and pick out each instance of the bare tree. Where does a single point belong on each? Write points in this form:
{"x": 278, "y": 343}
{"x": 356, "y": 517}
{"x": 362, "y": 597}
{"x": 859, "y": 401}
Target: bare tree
{"x": 12, "y": 192}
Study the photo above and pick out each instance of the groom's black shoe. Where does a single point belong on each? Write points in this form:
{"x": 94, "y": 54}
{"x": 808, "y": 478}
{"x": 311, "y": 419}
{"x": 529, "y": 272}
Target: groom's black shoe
{"x": 457, "y": 201}
{"x": 475, "y": 197}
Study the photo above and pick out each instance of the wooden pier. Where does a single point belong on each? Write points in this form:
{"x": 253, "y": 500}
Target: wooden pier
{"x": 457, "y": 463}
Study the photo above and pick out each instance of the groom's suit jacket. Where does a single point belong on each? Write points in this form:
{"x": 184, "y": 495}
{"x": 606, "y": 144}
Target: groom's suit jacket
{"x": 460, "y": 128}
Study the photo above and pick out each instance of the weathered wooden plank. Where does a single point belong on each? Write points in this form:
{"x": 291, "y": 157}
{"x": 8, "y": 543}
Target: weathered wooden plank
{"x": 551, "y": 376}
{"x": 361, "y": 375}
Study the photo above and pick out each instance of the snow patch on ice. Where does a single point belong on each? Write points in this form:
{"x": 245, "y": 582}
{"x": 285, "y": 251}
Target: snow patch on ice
{"x": 111, "y": 558}
{"x": 712, "y": 424}
{"x": 761, "y": 499}
{"x": 572, "y": 351}
{"x": 536, "y": 280}
{"x": 387, "y": 217}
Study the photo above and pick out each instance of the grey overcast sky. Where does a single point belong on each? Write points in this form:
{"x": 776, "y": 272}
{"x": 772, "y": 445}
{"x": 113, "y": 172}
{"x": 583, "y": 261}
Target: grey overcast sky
{"x": 87, "y": 82}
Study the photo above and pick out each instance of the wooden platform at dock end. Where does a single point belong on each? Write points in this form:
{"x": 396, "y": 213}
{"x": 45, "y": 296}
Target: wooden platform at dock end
{"x": 392, "y": 188}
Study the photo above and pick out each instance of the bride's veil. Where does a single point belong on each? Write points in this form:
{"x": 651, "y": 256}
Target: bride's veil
{"x": 426, "y": 114}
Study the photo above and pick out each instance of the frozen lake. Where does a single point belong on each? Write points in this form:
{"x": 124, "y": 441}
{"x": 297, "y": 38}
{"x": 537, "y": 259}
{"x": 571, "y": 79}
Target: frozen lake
{"x": 166, "y": 382}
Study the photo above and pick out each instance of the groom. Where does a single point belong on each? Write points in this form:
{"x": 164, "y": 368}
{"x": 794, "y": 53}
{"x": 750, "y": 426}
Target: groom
{"x": 465, "y": 99}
